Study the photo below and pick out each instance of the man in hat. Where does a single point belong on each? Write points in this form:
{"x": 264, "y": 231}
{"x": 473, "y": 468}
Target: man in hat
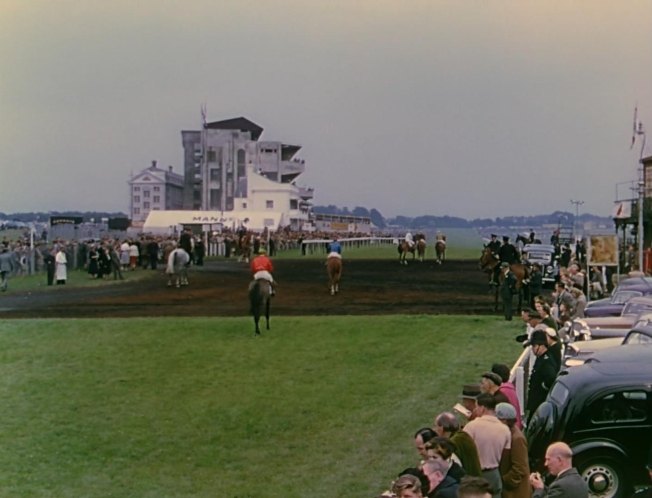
{"x": 262, "y": 268}
{"x": 535, "y": 282}
{"x": 470, "y": 393}
{"x": 447, "y": 425}
{"x": 507, "y": 290}
{"x": 543, "y": 374}
{"x": 508, "y": 253}
{"x": 515, "y": 468}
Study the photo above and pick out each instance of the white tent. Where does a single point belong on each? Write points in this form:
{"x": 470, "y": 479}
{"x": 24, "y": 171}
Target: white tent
{"x": 170, "y": 221}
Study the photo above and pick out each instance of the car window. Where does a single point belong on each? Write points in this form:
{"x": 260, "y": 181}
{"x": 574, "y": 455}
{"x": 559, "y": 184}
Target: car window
{"x": 636, "y": 308}
{"x": 637, "y": 338}
{"x": 621, "y": 297}
{"x": 559, "y": 393}
{"x": 620, "y": 406}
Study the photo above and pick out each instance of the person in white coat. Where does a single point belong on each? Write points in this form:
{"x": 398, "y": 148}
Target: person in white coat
{"x": 61, "y": 267}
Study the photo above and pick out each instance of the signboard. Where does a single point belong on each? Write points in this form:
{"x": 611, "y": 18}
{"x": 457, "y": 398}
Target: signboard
{"x": 623, "y": 210}
{"x": 603, "y": 250}
{"x": 65, "y": 220}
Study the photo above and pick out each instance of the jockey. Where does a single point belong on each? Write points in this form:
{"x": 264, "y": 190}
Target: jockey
{"x": 409, "y": 239}
{"x": 334, "y": 249}
{"x": 440, "y": 237}
{"x": 262, "y": 268}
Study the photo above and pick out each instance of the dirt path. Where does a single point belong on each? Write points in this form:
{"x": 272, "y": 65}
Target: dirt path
{"x": 220, "y": 289}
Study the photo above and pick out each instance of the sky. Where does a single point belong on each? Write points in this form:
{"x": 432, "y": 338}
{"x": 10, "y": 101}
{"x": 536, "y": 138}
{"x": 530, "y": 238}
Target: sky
{"x": 423, "y": 107}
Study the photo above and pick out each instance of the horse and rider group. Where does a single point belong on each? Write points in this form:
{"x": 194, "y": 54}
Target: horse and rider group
{"x": 511, "y": 276}
{"x": 416, "y": 245}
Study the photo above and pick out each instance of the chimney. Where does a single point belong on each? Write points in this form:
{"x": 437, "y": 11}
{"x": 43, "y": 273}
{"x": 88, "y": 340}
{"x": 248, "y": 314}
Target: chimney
{"x": 153, "y": 164}
{"x": 170, "y": 169}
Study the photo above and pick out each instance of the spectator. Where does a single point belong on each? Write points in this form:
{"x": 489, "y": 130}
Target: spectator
{"x": 568, "y": 483}
{"x": 508, "y": 390}
{"x": 493, "y": 440}
{"x": 441, "y": 485}
{"x": 422, "y": 437}
{"x": 61, "y": 263}
{"x": 474, "y": 487}
{"x": 407, "y": 486}
{"x": 514, "y": 469}
{"x": 447, "y": 425}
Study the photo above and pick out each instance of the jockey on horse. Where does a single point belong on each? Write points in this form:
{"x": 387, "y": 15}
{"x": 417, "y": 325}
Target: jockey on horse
{"x": 334, "y": 265}
{"x": 262, "y": 268}
{"x": 409, "y": 239}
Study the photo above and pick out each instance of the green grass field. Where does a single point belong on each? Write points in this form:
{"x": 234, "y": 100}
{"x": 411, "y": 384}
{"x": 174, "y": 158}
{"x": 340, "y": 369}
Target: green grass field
{"x": 318, "y": 407}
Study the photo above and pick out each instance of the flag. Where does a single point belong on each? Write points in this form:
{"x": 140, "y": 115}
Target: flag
{"x": 634, "y": 127}
{"x": 203, "y": 117}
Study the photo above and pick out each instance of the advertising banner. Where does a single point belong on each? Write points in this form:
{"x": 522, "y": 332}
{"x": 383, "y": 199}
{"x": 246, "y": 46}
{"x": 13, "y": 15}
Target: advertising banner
{"x": 603, "y": 250}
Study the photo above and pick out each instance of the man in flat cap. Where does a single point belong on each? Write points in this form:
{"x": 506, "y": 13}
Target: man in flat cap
{"x": 543, "y": 373}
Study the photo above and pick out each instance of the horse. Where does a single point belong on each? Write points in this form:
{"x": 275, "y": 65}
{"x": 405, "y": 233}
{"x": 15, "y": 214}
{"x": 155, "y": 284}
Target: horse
{"x": 440, "y": 249}
{"x": 526, "y": 240}
{"x": 421, "y": 248}
{"x": 177, "y": 269}
{"x": 260, "y": 300}
{"x": 334, "y": 269}
{"x": 403, "y": 249}
{"x": 488, "y": 263}
{"x": 244, "y": 248}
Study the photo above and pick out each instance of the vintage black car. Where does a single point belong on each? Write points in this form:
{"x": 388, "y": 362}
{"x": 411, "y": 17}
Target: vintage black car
{"x": 603, "y": 410}
{"x": 544, "y": 255}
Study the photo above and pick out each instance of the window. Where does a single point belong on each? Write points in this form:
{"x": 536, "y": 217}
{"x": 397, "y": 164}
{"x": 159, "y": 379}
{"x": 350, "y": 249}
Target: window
{"x": 136, "y": 198}
{"x": 269, "y": 204}
{"x": 136, "y": 189}
{"x": 157, "y": 189}
{"x": 620, "y": 406}
{"x": 146, "y": 205}
{"x": 146, "y": 194}
{"x": 294, "y": 204}
{"x": 157, "y": 198}
{"x": 136, "y": 210}
{"x": 215, "y": 174}
{"x": 211, "y": 156}
{"x": 244, "y": 205}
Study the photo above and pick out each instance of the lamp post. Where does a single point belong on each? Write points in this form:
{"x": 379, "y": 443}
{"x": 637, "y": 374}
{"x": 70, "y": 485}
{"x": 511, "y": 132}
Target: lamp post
{"x": 639, "y": 130}
{"x": 577, "y": 213}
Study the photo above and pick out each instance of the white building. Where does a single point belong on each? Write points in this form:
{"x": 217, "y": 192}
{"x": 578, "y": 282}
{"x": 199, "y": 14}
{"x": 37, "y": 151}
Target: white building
{"x": 228, "y": 169}
{"x": 154, "y": 189}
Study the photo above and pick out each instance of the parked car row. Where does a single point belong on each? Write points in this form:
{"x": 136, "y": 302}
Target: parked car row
{"x": 603, "y": 410}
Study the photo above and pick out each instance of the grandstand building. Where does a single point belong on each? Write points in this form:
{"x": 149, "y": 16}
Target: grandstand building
{"x": 228, "y": 169}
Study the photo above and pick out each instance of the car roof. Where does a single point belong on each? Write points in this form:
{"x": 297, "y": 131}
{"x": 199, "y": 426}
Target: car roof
{"x": 645, "y": 299}
{"x": 635, "y": 281}
{"x": 627, "y": 364}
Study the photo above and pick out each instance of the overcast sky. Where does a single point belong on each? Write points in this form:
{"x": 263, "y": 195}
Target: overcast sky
{"x": 464, "y": 107}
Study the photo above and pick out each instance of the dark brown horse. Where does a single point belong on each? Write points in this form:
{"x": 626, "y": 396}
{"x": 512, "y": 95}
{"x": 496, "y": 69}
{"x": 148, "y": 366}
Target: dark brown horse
{"x": 244, "y": 248}
{"x": 334, "y": 269}
{"x": 260, "y": 300}
{"x": 488, "y": 263}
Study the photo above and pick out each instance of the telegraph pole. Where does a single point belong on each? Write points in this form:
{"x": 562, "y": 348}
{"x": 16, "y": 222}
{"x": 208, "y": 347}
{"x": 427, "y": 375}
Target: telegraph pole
{"x": 639, "y": 130}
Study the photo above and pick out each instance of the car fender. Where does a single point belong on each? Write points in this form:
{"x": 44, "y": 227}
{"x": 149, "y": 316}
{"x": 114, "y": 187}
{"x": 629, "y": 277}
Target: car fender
{"x": 602, "y": 445}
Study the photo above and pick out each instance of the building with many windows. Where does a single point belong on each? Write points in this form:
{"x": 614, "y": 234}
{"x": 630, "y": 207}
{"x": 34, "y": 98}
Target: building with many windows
{"x": 154, "y": 189}
{"x": 227, "y": 168}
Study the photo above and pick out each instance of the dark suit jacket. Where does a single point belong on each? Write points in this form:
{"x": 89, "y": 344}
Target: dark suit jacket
{"x": 568, "y": 485}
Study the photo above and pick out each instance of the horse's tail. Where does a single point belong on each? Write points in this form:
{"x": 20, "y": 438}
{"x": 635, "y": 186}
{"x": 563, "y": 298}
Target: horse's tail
{"x": 400, "y": 248}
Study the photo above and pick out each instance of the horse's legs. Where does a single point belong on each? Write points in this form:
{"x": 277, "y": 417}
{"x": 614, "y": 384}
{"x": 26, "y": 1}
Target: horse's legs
{"x": 267, "y": 304}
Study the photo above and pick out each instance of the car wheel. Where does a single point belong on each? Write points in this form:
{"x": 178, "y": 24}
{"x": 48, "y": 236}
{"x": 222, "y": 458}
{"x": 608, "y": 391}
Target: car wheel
{"x": 604, "y": 476}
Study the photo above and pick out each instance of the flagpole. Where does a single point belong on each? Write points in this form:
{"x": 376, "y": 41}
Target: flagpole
{"x": 640, "y": 130}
